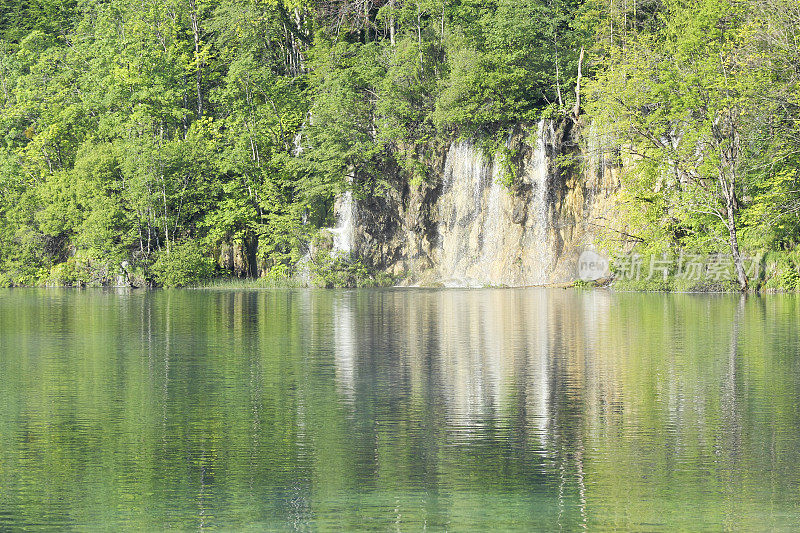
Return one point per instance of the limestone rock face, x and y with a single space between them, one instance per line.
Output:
476 224
235 258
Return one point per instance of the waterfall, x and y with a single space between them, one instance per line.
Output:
345 231
299 149
475 226
538 245
298 144
487 234
494 223
460 213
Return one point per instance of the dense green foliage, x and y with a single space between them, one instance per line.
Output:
181 264
704 99
129 126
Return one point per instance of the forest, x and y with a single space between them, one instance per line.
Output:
149 135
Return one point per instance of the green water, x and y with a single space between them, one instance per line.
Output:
398 410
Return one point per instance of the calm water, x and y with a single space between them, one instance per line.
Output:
398 409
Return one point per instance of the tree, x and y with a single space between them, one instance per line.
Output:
683 103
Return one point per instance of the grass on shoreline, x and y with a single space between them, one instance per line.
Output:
249 283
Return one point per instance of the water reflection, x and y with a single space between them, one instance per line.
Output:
503 409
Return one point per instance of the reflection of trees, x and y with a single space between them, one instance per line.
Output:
601 395
557 408
731 415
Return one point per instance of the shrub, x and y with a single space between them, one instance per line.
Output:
783 274
63 274
184 264
336 271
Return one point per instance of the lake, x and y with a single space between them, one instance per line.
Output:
398 409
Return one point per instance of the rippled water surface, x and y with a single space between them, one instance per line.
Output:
398 409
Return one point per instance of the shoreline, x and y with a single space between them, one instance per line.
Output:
256 284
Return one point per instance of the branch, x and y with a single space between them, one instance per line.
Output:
628 235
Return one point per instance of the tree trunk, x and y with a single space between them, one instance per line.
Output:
391 22
730 207
727 141
199 66
577 110
558 82
419 34
366 21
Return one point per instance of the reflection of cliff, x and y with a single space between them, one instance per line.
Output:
490 361
513 357
344 339
483 382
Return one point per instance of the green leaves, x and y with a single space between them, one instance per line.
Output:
131 126
522 60
184 263
694 108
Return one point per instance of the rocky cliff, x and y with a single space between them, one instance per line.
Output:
485 221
